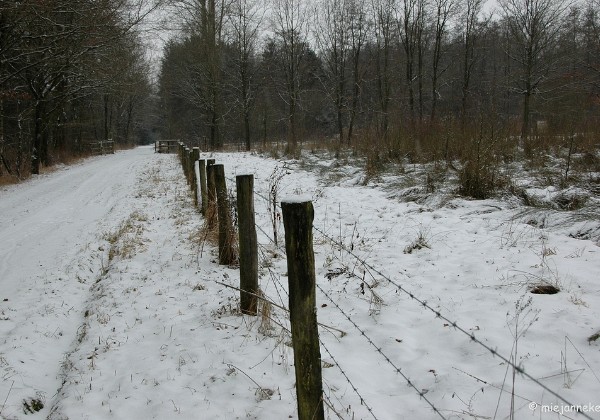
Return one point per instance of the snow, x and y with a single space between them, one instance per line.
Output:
296 199
113 306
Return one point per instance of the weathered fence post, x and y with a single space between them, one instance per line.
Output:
186 164
203 192
226 252
190 165
195 157
210 187
183 161
298 217
247 244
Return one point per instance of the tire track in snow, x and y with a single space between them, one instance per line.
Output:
51 253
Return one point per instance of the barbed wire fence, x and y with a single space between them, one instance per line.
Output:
438 314
409 382
519 368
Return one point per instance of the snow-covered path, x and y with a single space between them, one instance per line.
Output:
43 218
111 309
49 256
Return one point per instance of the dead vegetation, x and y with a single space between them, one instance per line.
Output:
127 240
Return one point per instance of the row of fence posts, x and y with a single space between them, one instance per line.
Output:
298 218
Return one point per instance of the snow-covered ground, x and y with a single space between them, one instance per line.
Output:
113 306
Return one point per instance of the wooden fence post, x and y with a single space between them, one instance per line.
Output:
203 192
184 162
189 166
247 244
297 221
211 210
226 232
210 181
195 157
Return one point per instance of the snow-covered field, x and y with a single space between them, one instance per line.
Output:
111 305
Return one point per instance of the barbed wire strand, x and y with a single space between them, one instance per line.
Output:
386 358
519 368
372 343
362 399
273 276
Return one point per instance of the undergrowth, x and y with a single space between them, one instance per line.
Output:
126 241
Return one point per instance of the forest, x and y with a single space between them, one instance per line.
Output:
465 82
71 72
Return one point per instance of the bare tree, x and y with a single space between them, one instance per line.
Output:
412 38
383 15
204 21
290 22
471 34
358 31
534 26
444 10
332 36
245 20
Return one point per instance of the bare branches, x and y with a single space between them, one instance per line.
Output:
290 23
534 25
58 53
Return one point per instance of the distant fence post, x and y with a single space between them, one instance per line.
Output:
182 157
211 192
190 166
194 159
186 164
203 192
297 221
226 252
247 244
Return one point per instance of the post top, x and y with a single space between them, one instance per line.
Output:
296 199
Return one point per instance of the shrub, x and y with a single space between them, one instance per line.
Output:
479 179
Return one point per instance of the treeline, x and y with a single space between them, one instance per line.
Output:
427 79
71 72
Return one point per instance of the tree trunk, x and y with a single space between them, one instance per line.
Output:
247 130
39 148
3 162
525 127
